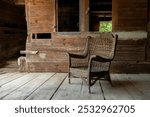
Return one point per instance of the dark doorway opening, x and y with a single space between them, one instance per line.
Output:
68 15
100 13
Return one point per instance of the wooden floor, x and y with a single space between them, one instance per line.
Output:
55 86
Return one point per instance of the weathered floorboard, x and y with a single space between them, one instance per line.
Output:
130 87
140 88
69 91
77 90
12 86
49 88
115 92
55 86
24 91
96 93
3 76
9 79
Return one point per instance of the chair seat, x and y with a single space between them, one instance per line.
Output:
79 72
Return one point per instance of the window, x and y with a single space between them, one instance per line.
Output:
101 15
68 15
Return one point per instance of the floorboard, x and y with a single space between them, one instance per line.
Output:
69 91
49 88
9 79
115 91
24 91
14 85
5 75
137 85
55 86
96 93
77 90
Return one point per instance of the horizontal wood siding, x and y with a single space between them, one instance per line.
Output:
52 53
130 50
129 15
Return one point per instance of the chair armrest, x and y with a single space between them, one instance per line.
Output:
100 58
76 55
103 59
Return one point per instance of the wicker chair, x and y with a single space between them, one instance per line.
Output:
94 63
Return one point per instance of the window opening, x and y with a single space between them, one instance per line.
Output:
68 15
101 15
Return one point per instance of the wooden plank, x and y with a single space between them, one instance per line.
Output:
26 90
3 76
84 15
96 92
12 86
48 89
137 85
115 92
28 52
53 66
69 91
77 90
143 85
11 78
42 22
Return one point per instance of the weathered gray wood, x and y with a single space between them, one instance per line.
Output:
45 86
24 91
10 78
12 86
115 92
129 86
137 85
28 52
69 91
49 88
2 76
96 92
77 90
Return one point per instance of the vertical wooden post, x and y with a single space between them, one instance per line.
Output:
84 15
114 14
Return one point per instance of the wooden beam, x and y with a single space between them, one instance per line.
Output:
84 15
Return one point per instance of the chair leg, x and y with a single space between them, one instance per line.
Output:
69 81
108 77
89 89
69 77
89 83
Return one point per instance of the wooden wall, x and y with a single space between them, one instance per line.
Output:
129 22
40 15
129 15
12 30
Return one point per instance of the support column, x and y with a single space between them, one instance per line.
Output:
84 15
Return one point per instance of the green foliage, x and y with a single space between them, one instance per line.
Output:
105 26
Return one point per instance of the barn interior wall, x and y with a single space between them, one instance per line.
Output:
12 30
129 22
129 15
